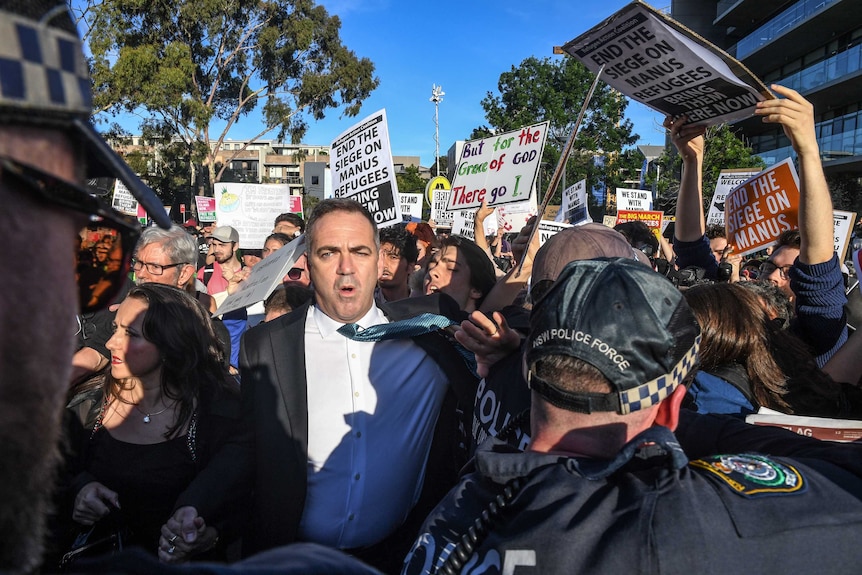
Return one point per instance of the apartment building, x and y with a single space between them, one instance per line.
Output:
812 46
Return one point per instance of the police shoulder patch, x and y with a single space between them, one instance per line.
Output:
751 475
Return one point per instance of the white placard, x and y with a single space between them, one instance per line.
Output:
362 169
498 170
124 201
843 227
251 209
548 228
265 276
574 208
442 217
464 224
659 62
634 200
727 180
513 217
411 207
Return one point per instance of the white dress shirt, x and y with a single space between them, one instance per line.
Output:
372 408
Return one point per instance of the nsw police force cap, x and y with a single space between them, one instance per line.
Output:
44 82
625 320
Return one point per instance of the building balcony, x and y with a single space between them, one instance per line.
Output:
743 14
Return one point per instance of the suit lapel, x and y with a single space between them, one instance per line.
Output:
288 351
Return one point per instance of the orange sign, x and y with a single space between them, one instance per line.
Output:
761 208
652 219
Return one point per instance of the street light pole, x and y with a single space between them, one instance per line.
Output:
437 94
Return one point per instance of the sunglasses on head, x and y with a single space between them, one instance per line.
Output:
98 282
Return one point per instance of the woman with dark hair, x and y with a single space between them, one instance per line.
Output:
737 370
462 270
747 360
154 437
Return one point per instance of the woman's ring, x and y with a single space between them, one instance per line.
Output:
171 550
172 539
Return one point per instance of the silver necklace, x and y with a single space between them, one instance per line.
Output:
147 416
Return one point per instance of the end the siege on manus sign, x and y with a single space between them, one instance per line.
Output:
498 170
659 62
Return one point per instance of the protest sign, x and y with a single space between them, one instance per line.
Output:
464 224
498 170
609 221
843 227
442 217
206 209
251 209
548 229
266 275
657 61
822 428
574 207
513 217
652 219
362 169
758 211
727 180
634 200
434 184
123 200
411 207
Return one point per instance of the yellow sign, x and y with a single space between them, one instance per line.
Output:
436 183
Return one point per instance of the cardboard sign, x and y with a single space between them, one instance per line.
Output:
513 217
843 227
657 61
251 209
442 217
574 208
206 209
548 229
498 170
727 180
123 200
609 221
652 219
822 428
634 200
265 276
464 224
362 169
411 207
763 207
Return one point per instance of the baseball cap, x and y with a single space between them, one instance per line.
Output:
585 242
45 83
225 234
625 320
191 223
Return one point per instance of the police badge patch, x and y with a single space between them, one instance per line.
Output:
753 475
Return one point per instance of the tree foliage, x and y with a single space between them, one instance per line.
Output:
194 68
723 150
410 181
554 90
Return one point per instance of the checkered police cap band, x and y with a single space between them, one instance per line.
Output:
42 69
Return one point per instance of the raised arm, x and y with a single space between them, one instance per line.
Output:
796 116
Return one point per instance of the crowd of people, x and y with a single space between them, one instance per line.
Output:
411 401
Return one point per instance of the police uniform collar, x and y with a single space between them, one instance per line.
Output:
501 462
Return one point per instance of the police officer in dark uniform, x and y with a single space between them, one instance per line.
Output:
605 486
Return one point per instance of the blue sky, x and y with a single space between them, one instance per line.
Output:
463 46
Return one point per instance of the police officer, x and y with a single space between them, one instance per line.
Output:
605 487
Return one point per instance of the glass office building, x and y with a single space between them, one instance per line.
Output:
812 46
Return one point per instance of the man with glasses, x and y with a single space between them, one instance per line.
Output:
47 149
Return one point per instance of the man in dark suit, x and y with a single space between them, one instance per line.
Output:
349 448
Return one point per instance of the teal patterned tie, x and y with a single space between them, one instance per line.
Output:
406 328
419 325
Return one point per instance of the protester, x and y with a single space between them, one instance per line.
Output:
291 225
604 484
462 271
329 413
398 255
47 150
812 268
284 299
155 436
221 278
